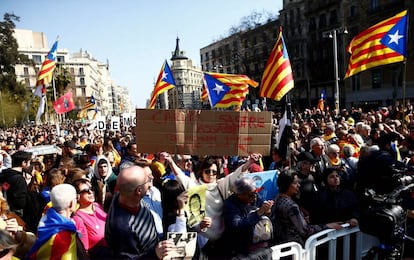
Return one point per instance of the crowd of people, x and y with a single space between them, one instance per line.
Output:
97 196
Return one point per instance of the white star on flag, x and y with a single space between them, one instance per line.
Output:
395 37
164 75
218 88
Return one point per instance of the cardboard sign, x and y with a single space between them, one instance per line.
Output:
203 132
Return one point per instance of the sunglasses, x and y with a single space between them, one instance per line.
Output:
252 195
86 190
187 160
209 171
4 252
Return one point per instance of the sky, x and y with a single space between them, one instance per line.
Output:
135 36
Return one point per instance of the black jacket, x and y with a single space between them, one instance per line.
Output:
14 189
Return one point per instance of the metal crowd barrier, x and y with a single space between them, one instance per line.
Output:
361 245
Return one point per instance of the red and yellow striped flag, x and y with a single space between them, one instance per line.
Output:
56 238
48 66
380 44
204 94
164 82
226 90
277 77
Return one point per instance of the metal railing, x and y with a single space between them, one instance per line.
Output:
361 245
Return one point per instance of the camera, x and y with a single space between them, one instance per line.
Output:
385 214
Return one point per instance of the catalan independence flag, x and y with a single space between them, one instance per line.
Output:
164 82
380 44
225 90
56 238
204 94
277 79
321 102
90 104
48 66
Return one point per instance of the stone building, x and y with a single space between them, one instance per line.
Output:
89 77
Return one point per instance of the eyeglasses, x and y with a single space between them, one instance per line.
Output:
210 172
187 160
149 179
86 190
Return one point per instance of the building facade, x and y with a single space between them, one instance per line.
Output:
188 83
245 52
308 27
88 76
314 22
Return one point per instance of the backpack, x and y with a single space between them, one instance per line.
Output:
263 230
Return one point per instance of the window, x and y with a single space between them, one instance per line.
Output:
26 71
356 82
397 76
37 59
312 24
353 11
81 72
376 78
82 81
374 5
322 21
60 59
333 19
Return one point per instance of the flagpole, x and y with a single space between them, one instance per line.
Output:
57 115
405 71
289 116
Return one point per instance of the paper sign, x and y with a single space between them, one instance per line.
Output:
196 204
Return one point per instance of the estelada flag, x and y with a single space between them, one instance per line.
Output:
164 82
277 79
225 90
380 44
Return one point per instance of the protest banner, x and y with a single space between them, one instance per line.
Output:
43 149
203 132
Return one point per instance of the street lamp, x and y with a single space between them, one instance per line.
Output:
333 35
217 68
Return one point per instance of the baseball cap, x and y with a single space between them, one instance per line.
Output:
307 156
